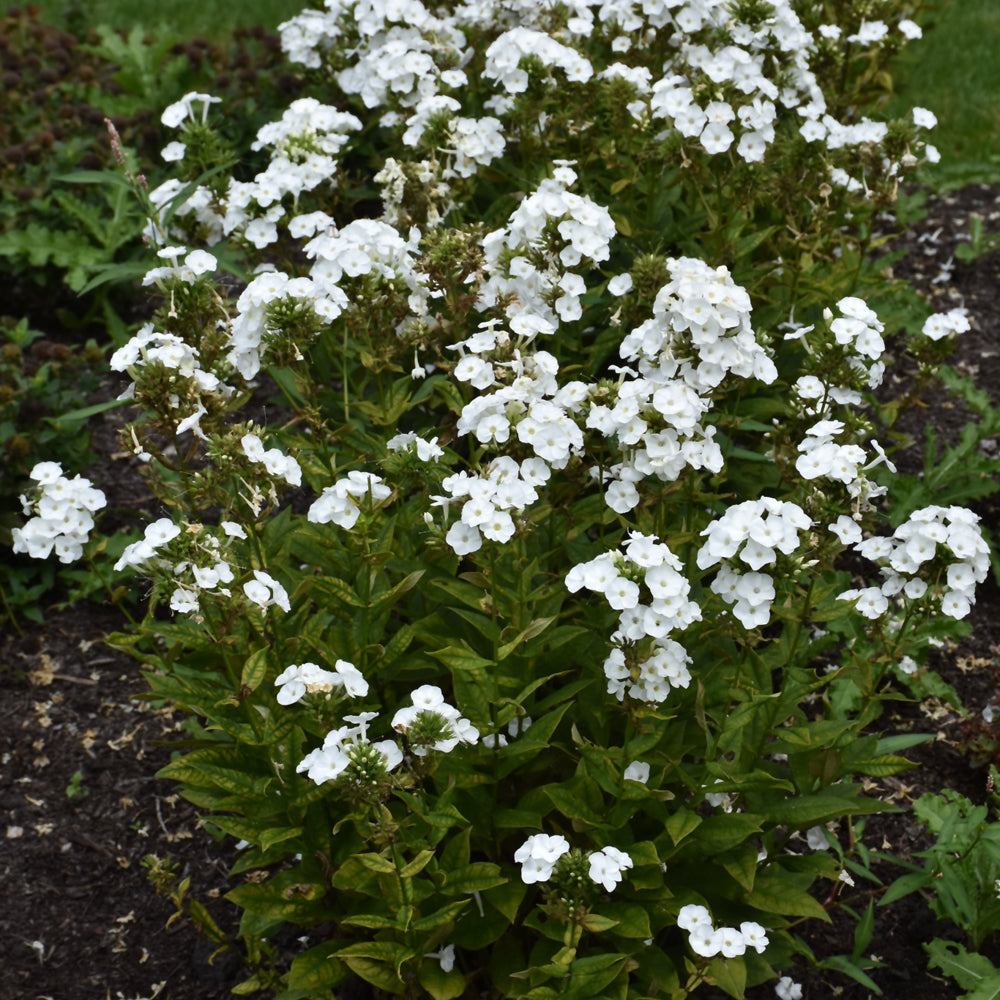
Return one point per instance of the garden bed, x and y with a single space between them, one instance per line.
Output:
82 809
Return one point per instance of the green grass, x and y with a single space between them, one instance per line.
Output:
183 18
954 70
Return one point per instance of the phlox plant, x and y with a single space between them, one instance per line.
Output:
515 631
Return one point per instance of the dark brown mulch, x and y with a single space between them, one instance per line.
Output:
79 919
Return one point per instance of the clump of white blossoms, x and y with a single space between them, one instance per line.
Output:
645 663
938 554
946 324
606 866
151 350
708 941
63 512
341 503
265 592
275 461
751 533
538 855
298 680
347 752
543 856
430 723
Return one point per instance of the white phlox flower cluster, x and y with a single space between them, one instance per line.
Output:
946 324
157 533
858 332
399 67
274 460
196 263
303 144
490 501
253 326
61 514
199 563
820 455
645 663
742 78
538 855
426 451
298 680
191 383
751 533
606 866
945 544
211 578
349 747
699 332
541 852
586 227
708 941
265 592
363 247
341 503
503 59
472 142
428 700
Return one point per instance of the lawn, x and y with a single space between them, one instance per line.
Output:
954 71
186 18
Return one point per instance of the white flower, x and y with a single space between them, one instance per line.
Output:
607 865
265 591
537 856
787 989
637 771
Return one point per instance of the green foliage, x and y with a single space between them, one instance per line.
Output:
60 90
45 389
960 870
417 648
979 243
972 971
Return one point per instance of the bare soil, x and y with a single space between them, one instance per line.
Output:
80 807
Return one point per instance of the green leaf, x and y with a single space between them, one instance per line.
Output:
417 865
440 984
786 893
968 969
841 963
272 835
312 972
729 974
904 885
682 824
256 667
534 629
819 807
722 831
864 931
444 917
630 920
475 877
337 589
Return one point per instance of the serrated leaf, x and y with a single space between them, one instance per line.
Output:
968 969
